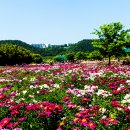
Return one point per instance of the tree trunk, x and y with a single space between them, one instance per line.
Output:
109 63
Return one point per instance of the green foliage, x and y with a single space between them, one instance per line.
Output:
95 55
70 57
37 58
112 39
81 55
23 44
83 46
54 50
13 54
60 58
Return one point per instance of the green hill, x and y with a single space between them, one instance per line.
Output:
22 44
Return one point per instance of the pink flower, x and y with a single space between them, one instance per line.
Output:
127 109
21 119
14 112
4 122
59 128
13 94
85 99
76 120
84 122
92 125
10 125
2 96
116 104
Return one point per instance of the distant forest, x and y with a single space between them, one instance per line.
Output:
53 50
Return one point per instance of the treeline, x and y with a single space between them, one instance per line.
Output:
12 54
84 46
22 44
18 52
53 50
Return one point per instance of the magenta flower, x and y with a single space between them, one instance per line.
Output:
21 119
4 122
92 125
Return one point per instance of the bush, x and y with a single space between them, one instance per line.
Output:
95 55
13 54
80 56
70 57
59 58
37 58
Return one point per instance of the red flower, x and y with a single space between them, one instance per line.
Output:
85 99
4 122
14 112
128 128
92 125
2 96
84 121
116 104
66 99
21 119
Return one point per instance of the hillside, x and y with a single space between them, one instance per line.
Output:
53 50
22 44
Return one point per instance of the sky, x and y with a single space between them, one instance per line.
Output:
59 21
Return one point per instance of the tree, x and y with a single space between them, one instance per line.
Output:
112 39
83 46
70 57
80 55
95 55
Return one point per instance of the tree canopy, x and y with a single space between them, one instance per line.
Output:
112 39
13 54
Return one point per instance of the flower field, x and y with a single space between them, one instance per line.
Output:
65 97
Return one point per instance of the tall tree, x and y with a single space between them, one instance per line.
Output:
112 39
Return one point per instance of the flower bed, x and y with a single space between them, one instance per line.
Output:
65 97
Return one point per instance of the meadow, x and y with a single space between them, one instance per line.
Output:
65 96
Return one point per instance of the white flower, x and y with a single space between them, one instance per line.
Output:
35 101
41 86
32 79
25 78
128 81
46 86
31 96
24 91
120 109
86 87
104 117
31 86
127 96
103 110
56 86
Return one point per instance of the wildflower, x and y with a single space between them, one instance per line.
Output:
2 96
84 122
66 99
85 99
24 91
75 120
21 119
92 125
128 128
116 104
4 122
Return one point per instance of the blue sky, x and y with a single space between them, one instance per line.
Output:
58 21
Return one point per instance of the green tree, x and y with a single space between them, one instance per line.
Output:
95 55
80 55
83 45
70 57
112 39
